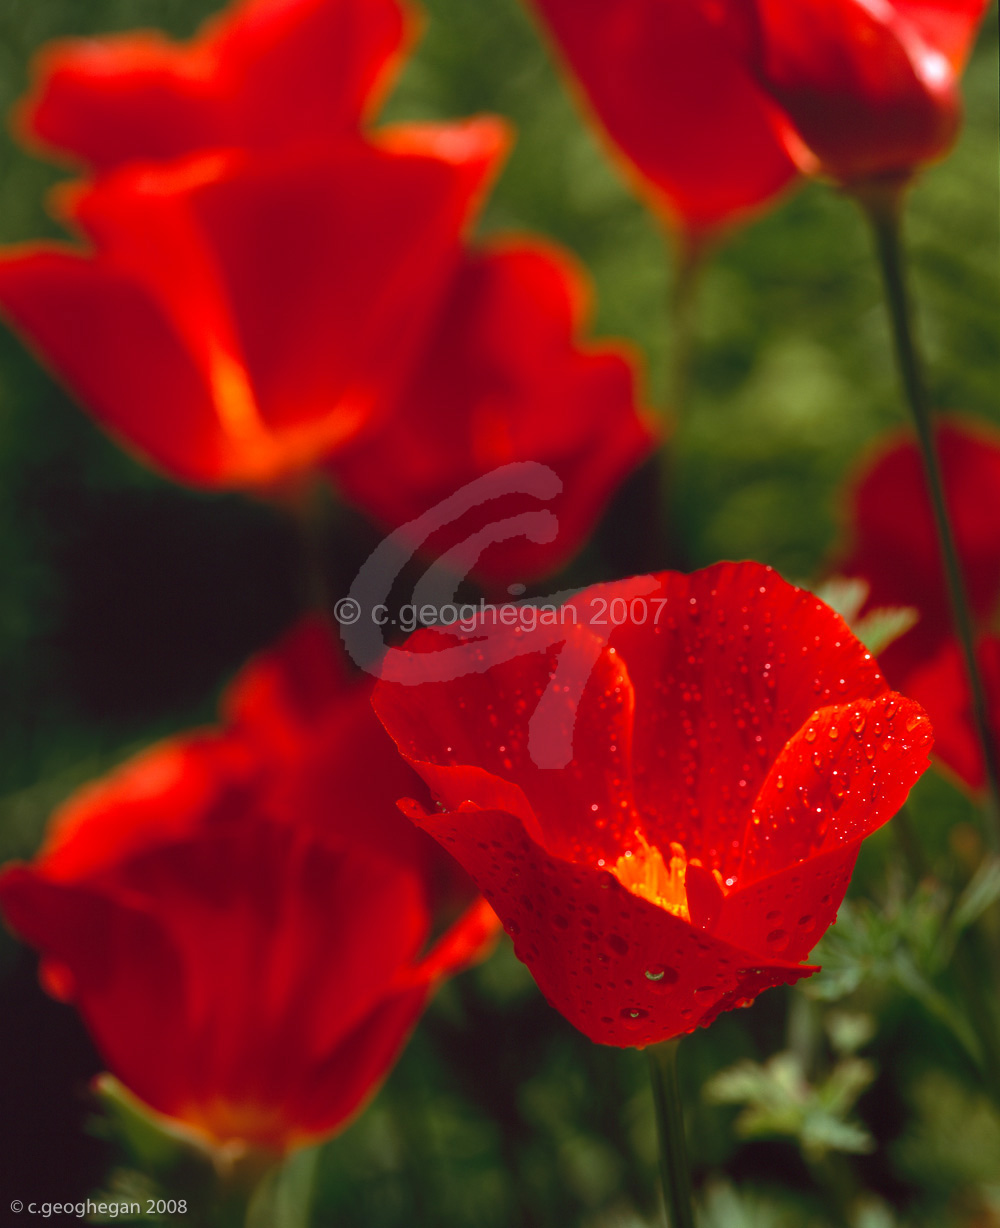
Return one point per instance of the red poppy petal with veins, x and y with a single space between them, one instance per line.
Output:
266 72
622 970
470 738
676 102
640 923
786 913
841 776
726 667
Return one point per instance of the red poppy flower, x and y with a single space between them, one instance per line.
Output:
863 88
504 378
732 747
244 920
676 102
266 73
895 551
243 315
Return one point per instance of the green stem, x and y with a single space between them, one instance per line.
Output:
674 1167
239 1180
883 205
687 270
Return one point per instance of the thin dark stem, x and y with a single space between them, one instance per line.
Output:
884 209
687 270
674 1167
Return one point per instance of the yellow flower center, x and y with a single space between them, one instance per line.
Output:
646 873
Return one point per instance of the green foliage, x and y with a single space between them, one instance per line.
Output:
499 1115
780 1101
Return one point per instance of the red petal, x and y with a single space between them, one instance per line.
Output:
788 912
950 26
267 72
862 89
103 336
727 666
622 970
274 312
504 379
163 794
471 737
266 948
844 774
342 1086
676 102
941 686
895 546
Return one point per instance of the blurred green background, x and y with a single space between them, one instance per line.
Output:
126 602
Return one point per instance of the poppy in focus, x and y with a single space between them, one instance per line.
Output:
895 550
693 127
244 314
244 920
733 746
504 379
264 73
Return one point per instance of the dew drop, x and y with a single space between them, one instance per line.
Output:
777 939
661 976
810 734
634 1015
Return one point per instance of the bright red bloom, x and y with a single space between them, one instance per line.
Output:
503 379
242 917
733 746
676 102
266 73
894 545
243 315
895 550
863 88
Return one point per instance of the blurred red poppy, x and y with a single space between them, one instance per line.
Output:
245 922
504 378
895 550
266 73
863 89
244 314
676 102
733 746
